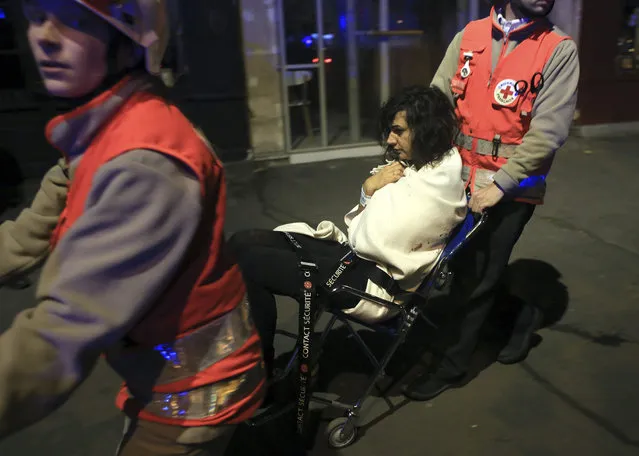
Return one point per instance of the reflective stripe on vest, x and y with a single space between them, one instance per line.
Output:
533 193
208 400
202 348
483 177
484 147
187 356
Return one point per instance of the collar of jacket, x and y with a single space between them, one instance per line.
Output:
72 132
529 29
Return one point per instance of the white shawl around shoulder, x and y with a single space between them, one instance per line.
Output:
403 228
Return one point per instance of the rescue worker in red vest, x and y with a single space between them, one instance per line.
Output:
138 269
513 79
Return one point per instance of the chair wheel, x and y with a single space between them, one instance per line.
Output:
341 433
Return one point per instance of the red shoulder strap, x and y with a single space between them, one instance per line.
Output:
478 31
550 42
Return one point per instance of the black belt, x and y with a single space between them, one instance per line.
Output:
375 275
383 280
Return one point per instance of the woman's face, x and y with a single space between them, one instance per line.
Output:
400 137
69 44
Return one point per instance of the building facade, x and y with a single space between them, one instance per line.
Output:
318 70
303 80
609 53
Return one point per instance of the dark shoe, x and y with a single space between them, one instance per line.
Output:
428 386
529 320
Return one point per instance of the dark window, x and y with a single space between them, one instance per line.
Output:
11 72
11 75
628 41
7 31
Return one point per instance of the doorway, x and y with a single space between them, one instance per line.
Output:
339 60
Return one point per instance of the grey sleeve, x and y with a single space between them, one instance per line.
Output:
552 117
25 242
448 67
141 216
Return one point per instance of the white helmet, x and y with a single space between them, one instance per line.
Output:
144 21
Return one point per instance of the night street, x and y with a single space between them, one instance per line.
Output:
576 394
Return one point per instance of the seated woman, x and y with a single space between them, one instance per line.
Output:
407 209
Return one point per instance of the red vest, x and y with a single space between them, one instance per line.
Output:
494 117
201 324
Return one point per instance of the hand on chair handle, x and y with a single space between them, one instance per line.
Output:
485 198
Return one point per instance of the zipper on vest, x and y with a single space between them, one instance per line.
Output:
501 56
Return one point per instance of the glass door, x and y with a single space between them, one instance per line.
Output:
341 59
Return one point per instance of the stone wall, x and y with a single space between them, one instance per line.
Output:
259 20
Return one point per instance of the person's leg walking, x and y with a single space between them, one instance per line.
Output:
479 271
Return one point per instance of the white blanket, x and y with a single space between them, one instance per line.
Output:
403 228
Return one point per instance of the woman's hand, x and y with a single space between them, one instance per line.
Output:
387 175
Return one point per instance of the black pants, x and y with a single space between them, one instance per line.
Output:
270 267
479 269
146 438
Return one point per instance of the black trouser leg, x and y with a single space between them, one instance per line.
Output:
479 269
270 267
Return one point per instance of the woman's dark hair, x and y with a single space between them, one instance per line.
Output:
431 119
